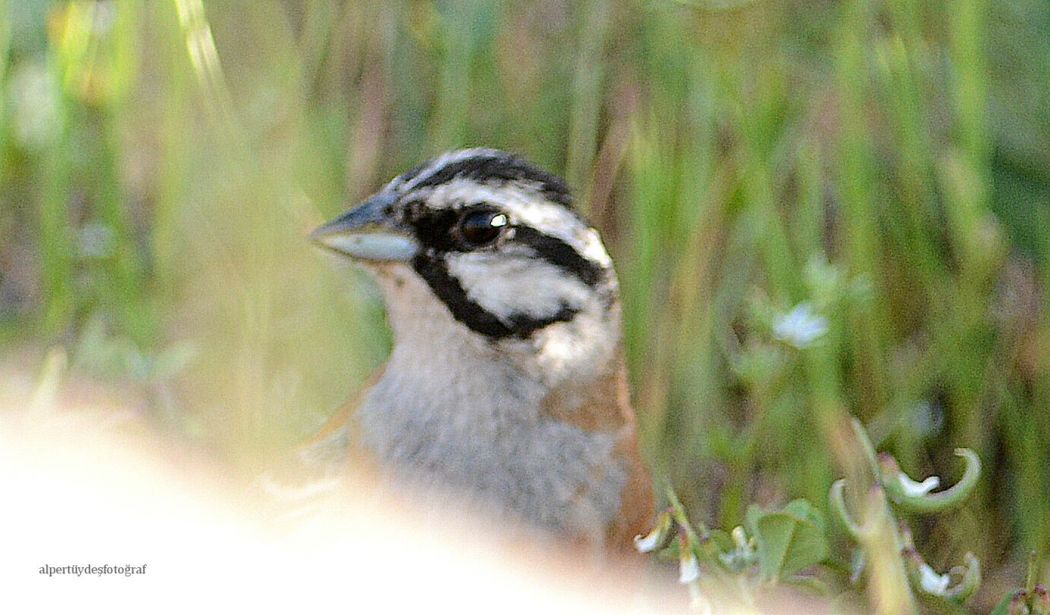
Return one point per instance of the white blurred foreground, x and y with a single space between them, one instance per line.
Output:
87 483
91 486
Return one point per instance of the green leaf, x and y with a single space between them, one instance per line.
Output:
789 540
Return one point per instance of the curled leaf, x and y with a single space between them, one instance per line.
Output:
860 532
933 583
658 537
968 585
865 445
913 496
913 489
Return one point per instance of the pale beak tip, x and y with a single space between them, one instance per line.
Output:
372 246
367 232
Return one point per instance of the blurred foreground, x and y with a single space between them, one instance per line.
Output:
86 483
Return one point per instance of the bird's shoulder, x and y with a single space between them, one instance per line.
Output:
607 408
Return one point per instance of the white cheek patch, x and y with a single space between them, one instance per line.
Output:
568 352
506 287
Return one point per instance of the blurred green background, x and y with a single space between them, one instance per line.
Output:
817 207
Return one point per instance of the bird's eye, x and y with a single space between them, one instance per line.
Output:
480 228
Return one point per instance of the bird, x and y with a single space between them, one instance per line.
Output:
506 384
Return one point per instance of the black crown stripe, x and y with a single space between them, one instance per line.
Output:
500 167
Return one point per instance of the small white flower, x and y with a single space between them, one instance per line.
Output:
688 568
800 327
914 489
931 582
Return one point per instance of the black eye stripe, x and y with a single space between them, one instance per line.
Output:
561 255
434 271
441 230
435 230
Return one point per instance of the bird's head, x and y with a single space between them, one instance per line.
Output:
491 243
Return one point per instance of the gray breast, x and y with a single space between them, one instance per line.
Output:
506 458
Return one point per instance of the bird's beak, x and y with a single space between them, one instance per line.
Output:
369 232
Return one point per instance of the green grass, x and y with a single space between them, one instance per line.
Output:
886 162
